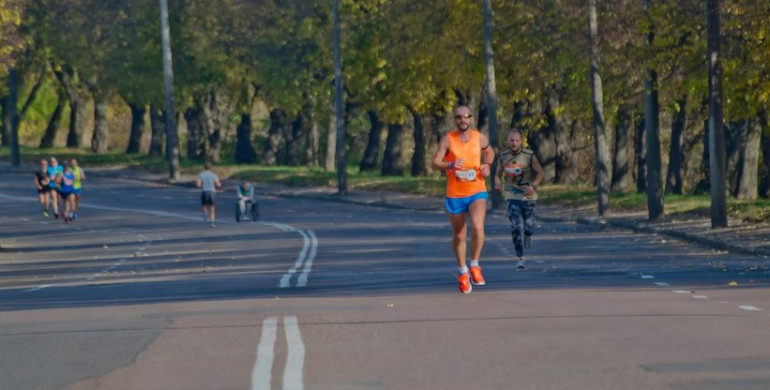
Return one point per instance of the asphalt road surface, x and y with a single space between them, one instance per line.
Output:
140 293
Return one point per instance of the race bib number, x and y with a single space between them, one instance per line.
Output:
469 175
513 169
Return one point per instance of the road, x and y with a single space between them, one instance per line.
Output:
140 293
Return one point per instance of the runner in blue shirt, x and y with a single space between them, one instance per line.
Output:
54 169
67 183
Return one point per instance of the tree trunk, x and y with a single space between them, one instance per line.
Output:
342 175
77 102
622 174
10 108
101 140
565 163
655 206
392 164
196 134
158 127
491 96
419 158
640 151
735 137
244 151
274 142
675 173
331 142
764 170
216 108
293 137
312 154
5 122
371 158
602 161
748 166
716 119
137 128
49 137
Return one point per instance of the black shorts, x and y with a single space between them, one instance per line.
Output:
45 190
208 198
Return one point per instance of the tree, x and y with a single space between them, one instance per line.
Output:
11 44
602 159
716 122
491 95
172 147
342 178
652 123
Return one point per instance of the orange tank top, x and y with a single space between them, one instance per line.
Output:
462 183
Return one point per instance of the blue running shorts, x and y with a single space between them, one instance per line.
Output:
460 205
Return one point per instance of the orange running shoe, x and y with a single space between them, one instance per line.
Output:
465 283
476 276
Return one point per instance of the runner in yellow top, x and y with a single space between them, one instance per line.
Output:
465 155
80 177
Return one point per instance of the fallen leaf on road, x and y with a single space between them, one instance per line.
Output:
733 283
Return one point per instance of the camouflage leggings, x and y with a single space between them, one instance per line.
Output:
521 213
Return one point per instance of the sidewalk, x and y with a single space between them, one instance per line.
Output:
740 237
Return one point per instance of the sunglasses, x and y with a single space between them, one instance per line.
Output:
466 116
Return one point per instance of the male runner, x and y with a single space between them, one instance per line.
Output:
208 182
518 175
465 155
41 183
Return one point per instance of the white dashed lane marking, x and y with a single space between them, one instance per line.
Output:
695 296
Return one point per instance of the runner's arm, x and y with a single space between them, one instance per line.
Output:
438 162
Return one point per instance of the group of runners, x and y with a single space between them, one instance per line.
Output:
59 188
466 156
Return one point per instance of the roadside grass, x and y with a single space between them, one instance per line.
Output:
432 185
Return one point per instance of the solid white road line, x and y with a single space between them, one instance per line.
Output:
302 280
295 360
286 278
260 376
750 308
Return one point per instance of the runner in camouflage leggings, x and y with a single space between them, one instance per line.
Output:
518 175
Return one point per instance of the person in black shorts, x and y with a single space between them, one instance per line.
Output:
208 182
42 184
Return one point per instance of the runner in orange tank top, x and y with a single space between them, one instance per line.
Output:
465 155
